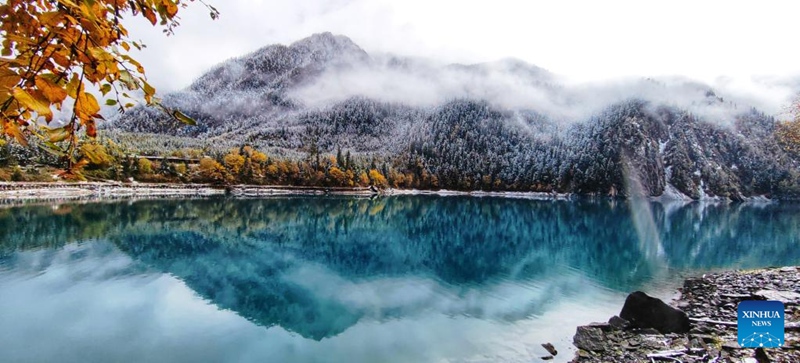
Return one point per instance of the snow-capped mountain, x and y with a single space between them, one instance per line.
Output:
505 124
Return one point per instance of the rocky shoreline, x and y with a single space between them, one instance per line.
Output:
709 332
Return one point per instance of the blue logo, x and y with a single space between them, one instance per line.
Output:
760 324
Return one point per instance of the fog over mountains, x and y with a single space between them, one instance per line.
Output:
501 125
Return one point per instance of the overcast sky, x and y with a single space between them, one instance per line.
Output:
583 39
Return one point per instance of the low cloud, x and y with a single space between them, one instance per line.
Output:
516 85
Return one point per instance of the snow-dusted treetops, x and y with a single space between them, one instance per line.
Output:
502 125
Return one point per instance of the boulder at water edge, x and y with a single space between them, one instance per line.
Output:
643 311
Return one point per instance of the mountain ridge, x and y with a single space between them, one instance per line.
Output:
504 125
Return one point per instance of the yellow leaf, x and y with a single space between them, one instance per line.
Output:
180 116
87 105
8 79
11 128
128 80
101 54
20 39
57 135
52 149
51 91
170 7
148 89
10 61
61 59
55 79
71 19
30 102
72 86
132 61
86 10
51 18
150 15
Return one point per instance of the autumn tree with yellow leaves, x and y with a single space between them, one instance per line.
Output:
788 132
55 51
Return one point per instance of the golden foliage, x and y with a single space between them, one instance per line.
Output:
788 132
181 169
211 171
338 177
144 166
234 162
363 179
378 179
52 51
788 135
97 154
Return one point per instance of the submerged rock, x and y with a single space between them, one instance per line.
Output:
550 348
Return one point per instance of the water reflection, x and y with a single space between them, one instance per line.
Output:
323 267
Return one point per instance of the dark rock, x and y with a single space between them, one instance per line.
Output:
589 338
618 323
550 348
644 311
761 356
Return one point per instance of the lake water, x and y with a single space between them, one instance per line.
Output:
395 279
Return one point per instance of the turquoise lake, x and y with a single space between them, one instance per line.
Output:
341 279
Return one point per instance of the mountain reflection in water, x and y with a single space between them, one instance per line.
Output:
320 266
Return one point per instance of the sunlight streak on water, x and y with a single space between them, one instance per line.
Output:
646 230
